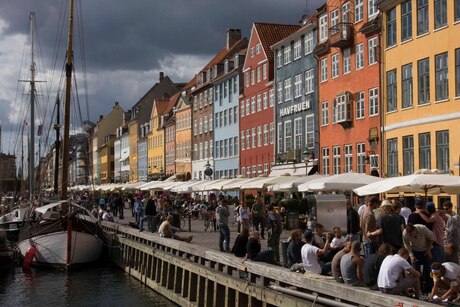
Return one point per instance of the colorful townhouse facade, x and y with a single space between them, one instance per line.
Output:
421 82
183 138
121 155
139 125
204 96
228 88
349 87
296 102
170 145
257 127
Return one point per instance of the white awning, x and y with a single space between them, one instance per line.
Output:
261 183
292 185
133 186
124 157
185 187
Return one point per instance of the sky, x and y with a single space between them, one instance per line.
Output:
127 44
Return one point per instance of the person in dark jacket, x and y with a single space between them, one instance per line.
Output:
352 223
372 265
294 257
150 213
254 253
241 242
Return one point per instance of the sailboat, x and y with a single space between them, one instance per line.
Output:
62 233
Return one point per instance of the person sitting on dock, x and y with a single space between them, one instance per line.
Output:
294 251
351 265
446 276
310 255
393 277
254 253
241 242
168 231
335 265
372 265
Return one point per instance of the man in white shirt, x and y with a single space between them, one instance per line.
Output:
397 276
310 255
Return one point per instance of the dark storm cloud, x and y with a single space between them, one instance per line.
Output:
135 35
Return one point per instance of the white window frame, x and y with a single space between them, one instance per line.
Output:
324 113
348 152
310 131
253 137
279 59
297 85
324 67
334 21
264 71
309 81
346 58
265 100
360 105
272 133
271 97
280 138
335 66
359 56
360 156
279 91
372 50
372 9
325 159
323 28
308 42
287 89
297 49
374 101
288 130
287 54
259 136
265 134
336 167
298 133
259 102
359 10
253 105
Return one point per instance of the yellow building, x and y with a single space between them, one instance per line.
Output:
421 87
102 140
156 137
183 139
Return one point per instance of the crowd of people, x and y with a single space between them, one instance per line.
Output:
388 246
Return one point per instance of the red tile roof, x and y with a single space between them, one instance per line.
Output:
269 34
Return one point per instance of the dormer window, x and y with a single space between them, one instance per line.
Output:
236 60
226 66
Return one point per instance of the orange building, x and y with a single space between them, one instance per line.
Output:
348 73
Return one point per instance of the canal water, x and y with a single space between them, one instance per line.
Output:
102 285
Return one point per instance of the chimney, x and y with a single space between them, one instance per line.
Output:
101 117
162 75
233 35
116 104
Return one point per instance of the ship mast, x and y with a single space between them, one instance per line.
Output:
68 73
32 116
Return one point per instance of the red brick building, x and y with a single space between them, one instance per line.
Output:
349 94
257 129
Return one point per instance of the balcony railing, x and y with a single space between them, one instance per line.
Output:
341 35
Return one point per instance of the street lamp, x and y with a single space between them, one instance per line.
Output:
208 170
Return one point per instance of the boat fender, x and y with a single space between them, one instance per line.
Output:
29 257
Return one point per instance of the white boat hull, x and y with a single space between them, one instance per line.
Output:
52 248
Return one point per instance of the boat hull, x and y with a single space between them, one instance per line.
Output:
52 248
12 230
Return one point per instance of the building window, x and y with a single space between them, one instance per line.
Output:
258 74
259 136
392 167
323 30
406 86
271 97
336 160
297 49
253 81
230 147
334 21
310 131
287 89
242 140
248 139
391 27
408 154
235 146
242 108
272 133
279 59
279 92
308 43
266 134
348 151
424 145
406 20
298 133
253 139
423 81
360 157
324 113
287 135
287 55
264 71
309 81
297 86
440 13
359 12
422 17
325 160
442 83
346 60
253 105
341 108
391 90
372 55
346 12
456 10
265 100
266 169
259 103
324 70
457 71
360 105
372 8
280 138
442 151
335 65
359 56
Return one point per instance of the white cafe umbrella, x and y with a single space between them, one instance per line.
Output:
185 187
261 183
339 182
422 182
133 186
293 184
235 184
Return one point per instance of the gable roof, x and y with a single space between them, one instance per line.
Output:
270 33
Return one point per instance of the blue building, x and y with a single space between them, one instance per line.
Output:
296 102
228 87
